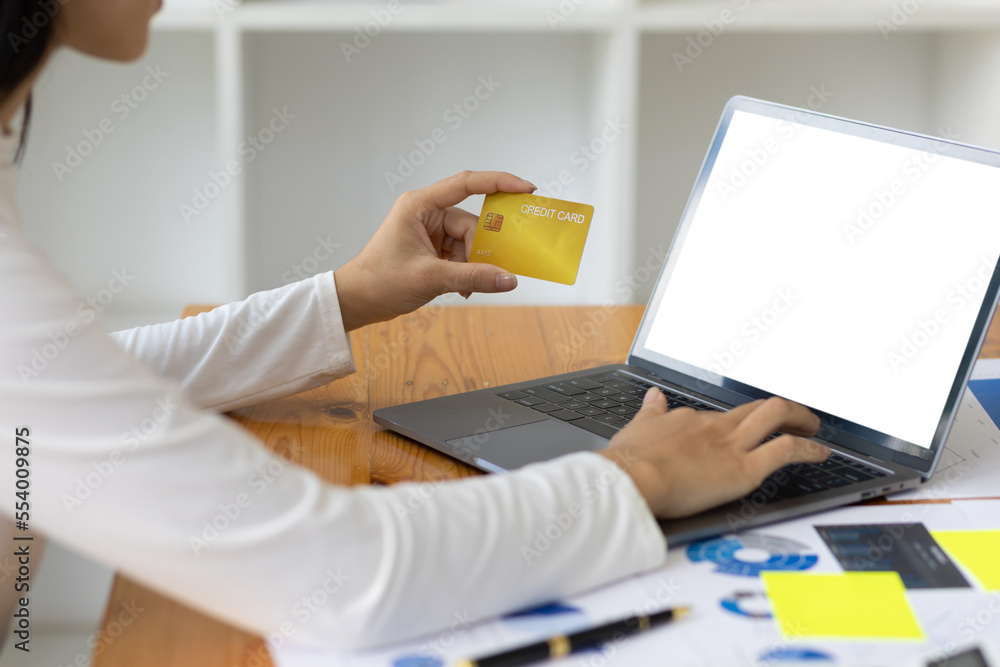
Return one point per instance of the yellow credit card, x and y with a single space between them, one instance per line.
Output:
532 236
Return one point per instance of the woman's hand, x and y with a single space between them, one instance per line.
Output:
685 461
421 251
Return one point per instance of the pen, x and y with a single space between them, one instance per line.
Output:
562 645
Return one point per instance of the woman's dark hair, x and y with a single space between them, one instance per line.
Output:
25 31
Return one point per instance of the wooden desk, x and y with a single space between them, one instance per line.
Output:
434 352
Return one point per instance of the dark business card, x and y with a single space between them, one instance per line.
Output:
906 548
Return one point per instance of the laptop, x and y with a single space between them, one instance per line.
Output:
845 266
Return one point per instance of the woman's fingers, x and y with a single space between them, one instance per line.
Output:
758 420
785 450
460 226
458 188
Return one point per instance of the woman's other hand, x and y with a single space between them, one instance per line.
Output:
421 251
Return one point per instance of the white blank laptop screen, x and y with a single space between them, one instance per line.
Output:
840 272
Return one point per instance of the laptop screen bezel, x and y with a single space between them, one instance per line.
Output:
834 429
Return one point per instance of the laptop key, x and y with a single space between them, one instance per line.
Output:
573 405
563 388
605 403
545 394
783 492
546 407
610 418
855 475
622 410
584 383
621 398
600 428
616 384
511 395
529 401
566 415
604 391
591 412
836 482
587 398
807 485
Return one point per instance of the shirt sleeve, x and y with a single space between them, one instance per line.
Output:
125 468
238 355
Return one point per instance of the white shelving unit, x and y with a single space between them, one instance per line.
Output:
650 76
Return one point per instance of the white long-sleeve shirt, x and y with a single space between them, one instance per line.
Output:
130 464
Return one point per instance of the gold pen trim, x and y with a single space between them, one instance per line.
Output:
643 623
559 647
681 612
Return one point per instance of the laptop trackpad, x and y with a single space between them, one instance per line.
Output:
518 446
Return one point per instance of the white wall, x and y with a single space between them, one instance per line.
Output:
119 207
325 174
870 79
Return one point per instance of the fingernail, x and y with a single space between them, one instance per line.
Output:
533 186
506 282
650 395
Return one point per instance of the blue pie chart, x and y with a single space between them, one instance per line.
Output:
725 553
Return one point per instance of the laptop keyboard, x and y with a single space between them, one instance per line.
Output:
606 402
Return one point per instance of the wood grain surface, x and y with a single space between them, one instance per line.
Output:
436 351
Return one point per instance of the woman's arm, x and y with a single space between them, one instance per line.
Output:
271 345
125 469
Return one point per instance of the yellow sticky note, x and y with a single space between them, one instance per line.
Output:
977 550
844 606
532 236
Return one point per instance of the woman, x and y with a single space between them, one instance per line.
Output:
193 506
